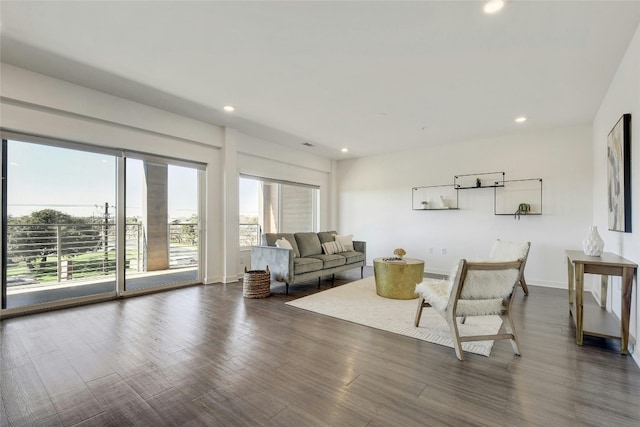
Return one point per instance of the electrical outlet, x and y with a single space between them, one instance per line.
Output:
444 251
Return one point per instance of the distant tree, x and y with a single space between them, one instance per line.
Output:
33 237
190 230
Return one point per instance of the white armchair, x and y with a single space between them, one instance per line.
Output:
478 289
504 250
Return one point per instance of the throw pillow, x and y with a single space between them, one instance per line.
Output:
331 248
284 243
346 240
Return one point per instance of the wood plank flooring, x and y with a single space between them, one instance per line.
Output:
206 356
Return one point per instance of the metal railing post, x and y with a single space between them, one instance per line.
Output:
139 249
59 252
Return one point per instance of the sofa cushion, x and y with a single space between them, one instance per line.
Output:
330 261
331 248
346 240
306 265
269 239
284 243
308 244
326 236
352 256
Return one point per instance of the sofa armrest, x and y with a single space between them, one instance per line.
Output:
279 260
361 246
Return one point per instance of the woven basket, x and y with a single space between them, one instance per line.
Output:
256 283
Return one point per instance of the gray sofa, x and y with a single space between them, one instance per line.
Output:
306 260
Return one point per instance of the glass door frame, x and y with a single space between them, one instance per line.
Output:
201 177
120 245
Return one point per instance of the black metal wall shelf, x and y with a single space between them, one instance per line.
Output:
430 198
478 180
519 197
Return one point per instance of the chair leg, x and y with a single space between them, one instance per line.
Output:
419 312
523 283
455 335
510 328
464 319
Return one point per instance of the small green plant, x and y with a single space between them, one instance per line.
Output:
523 209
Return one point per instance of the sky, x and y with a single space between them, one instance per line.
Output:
80 183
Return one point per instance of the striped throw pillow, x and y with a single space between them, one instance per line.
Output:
331 248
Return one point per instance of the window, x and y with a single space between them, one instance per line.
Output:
269 206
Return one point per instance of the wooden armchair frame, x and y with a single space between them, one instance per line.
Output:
456 306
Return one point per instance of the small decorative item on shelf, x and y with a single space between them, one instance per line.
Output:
478 183
593 245
443 202
400 253
523 209
425 204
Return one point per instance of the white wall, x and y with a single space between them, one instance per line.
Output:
375 200
623 96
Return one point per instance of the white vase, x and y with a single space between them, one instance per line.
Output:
593 243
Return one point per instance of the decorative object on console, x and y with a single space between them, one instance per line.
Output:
619 175
443 202
478 182
593 245
425 204
400 253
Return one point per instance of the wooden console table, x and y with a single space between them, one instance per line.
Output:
591 319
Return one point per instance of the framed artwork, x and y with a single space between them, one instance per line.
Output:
619 175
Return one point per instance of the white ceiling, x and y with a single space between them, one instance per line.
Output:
370 76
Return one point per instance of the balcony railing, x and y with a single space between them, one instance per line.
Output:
249 235
60 252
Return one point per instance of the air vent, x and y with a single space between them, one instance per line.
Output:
307 144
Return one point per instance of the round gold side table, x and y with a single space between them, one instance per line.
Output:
398 279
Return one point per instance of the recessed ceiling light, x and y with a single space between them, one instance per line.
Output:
229 108
344 150
493 6
521 119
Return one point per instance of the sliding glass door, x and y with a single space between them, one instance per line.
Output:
163 224
59 226
81 223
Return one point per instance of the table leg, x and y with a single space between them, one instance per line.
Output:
579 276
570 281
604 285
627 284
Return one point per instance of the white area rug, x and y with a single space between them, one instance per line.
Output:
358 302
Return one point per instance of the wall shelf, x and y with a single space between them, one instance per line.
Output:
432 196
507 199
478 180
517 198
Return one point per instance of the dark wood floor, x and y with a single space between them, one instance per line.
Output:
204 355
